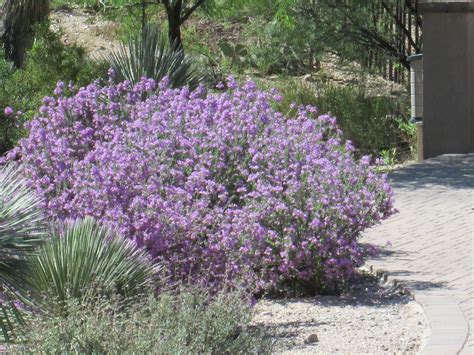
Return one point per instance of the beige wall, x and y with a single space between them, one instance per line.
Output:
448 59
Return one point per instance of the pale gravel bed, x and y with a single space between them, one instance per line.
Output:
367 319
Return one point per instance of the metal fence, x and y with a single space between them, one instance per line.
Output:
403 24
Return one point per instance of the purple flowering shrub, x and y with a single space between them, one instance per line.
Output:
216 187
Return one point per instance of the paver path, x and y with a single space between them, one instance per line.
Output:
432 250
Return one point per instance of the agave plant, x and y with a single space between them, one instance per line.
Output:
149 55
16 28
22 231
87 259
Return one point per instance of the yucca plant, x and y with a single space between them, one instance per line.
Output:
16 28
85 258
22 231
149 55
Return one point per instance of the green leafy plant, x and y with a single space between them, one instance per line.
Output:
276 48
82 256
373 124
149 55
22 231
389 156
184 322
408 131
234 54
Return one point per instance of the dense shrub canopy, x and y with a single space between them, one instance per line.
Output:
214 186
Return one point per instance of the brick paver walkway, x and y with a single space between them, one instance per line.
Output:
432 250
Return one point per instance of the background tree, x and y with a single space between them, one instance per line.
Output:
178 11
16 28
390 27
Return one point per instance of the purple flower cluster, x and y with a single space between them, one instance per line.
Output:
214 186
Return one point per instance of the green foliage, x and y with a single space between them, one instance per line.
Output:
389 156
11 320
408 131
373 124
295 31
47 62
97 5
235 55
83 255
238 9
149 55
356 28
277 48
22 226
22 231
172 323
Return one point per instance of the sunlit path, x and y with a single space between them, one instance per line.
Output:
432 250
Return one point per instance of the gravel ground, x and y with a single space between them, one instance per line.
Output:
97 36
367 319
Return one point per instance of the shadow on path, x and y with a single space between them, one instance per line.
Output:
453 171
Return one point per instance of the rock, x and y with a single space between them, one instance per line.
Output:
311 339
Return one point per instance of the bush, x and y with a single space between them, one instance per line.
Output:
183 323
216 187
276 48
373 124
47 62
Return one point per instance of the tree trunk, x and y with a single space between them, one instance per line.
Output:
21 43
174 23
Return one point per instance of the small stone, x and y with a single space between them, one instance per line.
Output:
311 339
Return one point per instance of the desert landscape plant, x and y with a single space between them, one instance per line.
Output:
215 186
184 322
85 258
48 61
22 231
149 55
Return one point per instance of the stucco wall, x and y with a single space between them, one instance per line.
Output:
448 59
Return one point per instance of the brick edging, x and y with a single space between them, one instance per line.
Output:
449 327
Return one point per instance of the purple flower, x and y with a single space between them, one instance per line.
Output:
8 111
218 187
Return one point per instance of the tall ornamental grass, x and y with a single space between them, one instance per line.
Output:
217 187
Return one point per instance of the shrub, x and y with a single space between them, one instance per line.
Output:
47 62
83 255
279 48
183 323
217 186
372 124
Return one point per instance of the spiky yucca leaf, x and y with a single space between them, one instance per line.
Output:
86 258
148 55
22 231
11 319
22 227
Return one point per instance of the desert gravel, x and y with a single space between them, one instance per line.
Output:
367 319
